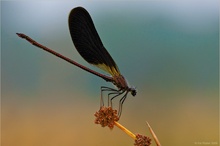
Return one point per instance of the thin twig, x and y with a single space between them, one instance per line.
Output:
153 134
125 130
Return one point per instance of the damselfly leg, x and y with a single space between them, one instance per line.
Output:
112 95
103 88
121 103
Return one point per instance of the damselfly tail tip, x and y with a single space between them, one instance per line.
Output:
20 35
106 116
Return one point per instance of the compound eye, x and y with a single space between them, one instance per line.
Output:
133 92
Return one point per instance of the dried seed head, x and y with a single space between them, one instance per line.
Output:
142 140
106 116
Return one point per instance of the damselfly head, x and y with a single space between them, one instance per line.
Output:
133 91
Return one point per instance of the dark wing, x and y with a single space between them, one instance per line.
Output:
88 42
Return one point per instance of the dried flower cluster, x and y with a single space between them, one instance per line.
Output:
142 140
106 116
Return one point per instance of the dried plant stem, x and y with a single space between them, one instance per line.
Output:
125 130
154 135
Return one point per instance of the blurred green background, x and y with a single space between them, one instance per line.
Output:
168 49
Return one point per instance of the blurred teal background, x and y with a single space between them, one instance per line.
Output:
169 50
